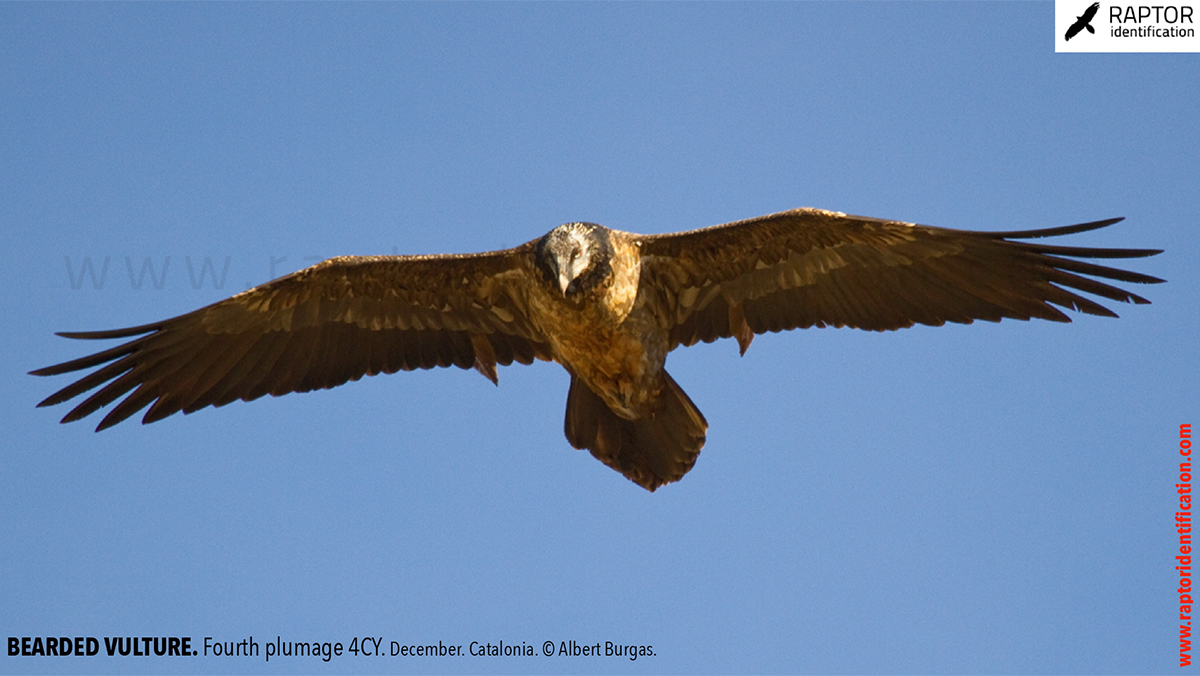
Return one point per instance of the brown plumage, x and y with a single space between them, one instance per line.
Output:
607 305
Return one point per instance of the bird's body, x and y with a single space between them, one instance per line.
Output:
593 328
607 305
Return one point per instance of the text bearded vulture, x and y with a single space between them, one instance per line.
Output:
607 305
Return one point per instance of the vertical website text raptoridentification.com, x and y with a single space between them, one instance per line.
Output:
1183 525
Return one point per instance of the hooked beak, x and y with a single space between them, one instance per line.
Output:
570 272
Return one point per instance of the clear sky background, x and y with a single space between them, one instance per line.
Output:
993 498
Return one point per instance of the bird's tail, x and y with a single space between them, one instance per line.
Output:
650 451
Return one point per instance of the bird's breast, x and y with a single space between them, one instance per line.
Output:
618 355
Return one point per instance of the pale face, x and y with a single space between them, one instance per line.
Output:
569 251
575 259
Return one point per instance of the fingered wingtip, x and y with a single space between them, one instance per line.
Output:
1055 232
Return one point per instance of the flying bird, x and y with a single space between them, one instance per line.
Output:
1084 21
605 304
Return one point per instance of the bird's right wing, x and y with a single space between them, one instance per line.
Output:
316 328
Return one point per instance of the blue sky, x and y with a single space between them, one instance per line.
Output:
993 498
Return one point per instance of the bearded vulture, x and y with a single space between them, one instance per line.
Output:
606 305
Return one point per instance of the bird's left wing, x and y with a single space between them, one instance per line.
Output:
809 267
316 328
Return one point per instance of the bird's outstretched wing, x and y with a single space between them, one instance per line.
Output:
809 267
316 328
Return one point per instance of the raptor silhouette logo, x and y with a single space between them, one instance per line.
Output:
1084 21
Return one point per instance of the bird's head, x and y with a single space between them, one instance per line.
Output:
575 258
